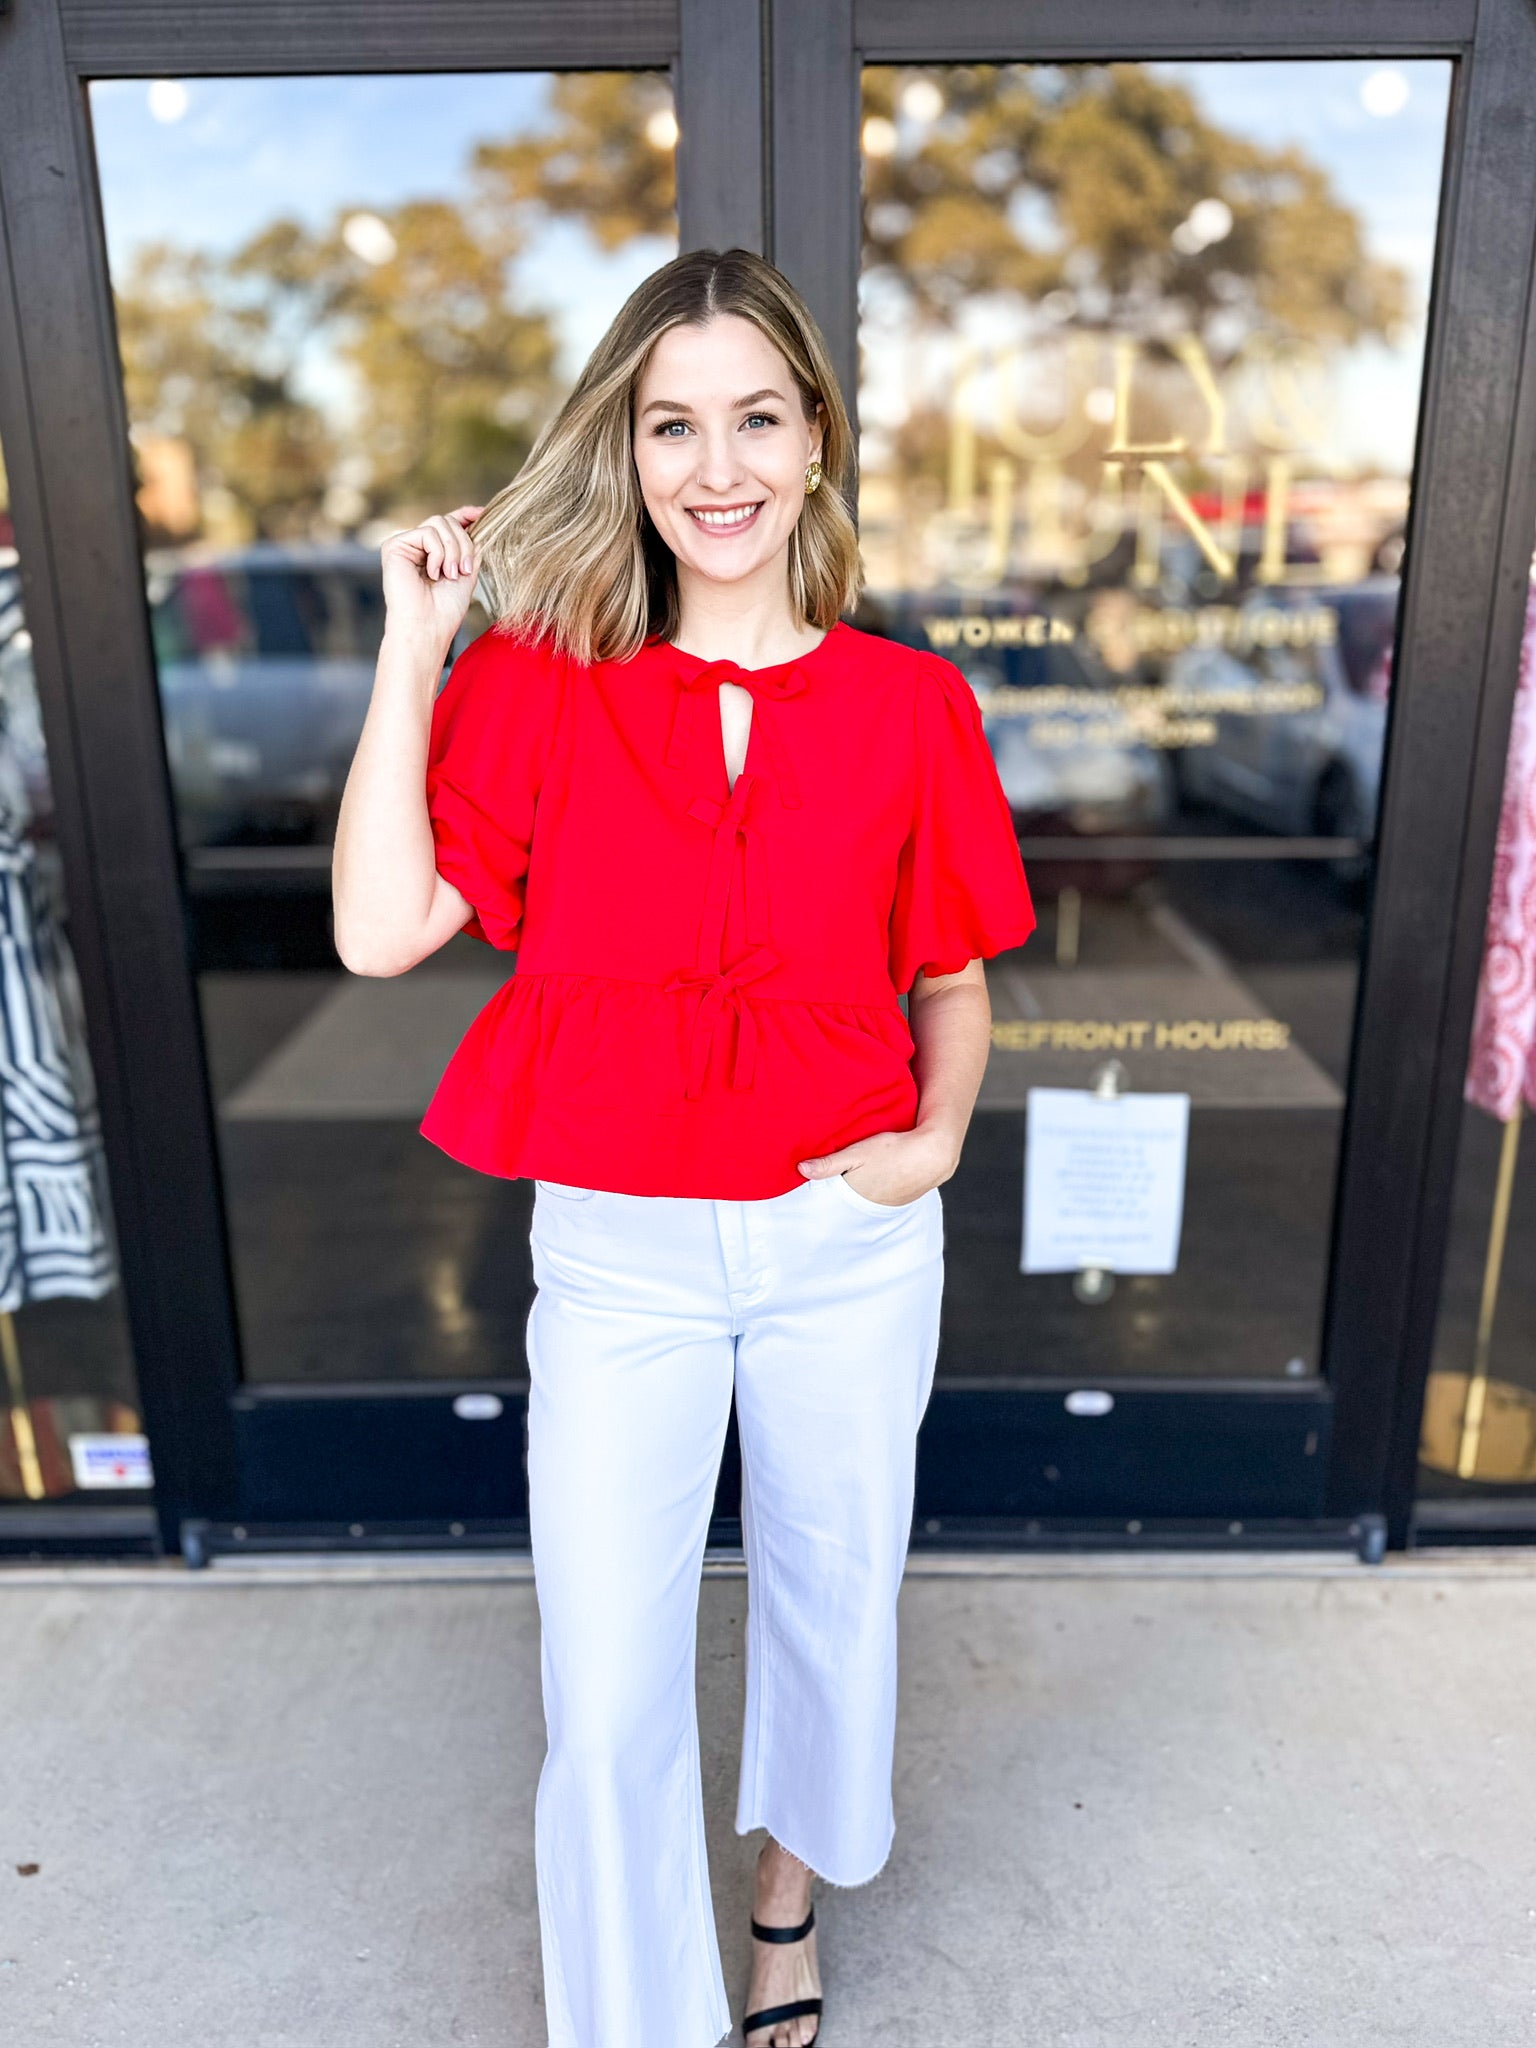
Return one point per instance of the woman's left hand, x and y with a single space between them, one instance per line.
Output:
890 1167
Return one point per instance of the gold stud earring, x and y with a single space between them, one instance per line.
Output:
812 478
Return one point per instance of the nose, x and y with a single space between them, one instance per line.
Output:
720 466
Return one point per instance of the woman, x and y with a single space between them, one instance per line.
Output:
724 831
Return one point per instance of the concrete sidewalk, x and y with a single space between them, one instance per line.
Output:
1284 1802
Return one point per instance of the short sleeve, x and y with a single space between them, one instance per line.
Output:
961 892
491 735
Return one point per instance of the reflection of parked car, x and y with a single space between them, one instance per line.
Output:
1072 772
266 659
1309 770
1069 763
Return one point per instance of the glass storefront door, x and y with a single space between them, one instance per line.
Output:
343 303
1141 348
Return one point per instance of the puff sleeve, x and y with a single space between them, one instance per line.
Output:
961 892
490 740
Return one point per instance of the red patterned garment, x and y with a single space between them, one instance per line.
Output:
707 976
1503 1063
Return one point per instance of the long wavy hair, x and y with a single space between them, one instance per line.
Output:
567 549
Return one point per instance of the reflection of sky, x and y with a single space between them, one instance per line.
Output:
1387 169
250 150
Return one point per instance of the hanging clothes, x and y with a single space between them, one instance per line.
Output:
1502 1067
55 1210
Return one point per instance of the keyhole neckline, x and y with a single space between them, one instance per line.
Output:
747 748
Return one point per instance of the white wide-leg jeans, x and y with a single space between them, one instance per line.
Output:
821 1309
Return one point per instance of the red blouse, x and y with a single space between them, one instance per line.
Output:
707 977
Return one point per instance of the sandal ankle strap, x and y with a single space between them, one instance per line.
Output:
784 1933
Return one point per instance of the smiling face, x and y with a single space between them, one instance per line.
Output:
721 443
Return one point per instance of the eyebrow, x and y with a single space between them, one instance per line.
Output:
679 405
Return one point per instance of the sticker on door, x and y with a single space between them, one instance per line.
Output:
102 1461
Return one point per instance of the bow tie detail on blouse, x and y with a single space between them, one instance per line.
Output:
698 700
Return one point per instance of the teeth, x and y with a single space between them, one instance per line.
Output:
736 518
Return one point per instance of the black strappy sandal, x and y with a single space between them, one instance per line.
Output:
797 2008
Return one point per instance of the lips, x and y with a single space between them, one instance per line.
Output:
723 519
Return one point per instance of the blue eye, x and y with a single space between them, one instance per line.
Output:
663 428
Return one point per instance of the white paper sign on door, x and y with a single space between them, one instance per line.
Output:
1103 1181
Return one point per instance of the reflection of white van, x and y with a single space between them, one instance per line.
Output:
1314 771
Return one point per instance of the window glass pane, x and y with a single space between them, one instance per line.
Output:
343 304
1141 353
1479 1431
69 1418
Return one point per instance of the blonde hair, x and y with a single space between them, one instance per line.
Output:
568 550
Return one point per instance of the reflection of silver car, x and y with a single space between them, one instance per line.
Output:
266 658
1312 769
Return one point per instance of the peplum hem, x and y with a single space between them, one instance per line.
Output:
582 1078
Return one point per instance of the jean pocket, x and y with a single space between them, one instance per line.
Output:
868 1208
564 1191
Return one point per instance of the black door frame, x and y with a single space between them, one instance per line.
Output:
1290 1463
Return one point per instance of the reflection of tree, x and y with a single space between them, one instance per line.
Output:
451 375
1161 301
202 363
1074 188
448 372
600 163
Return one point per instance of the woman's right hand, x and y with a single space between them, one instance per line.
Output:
391 906
429 574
